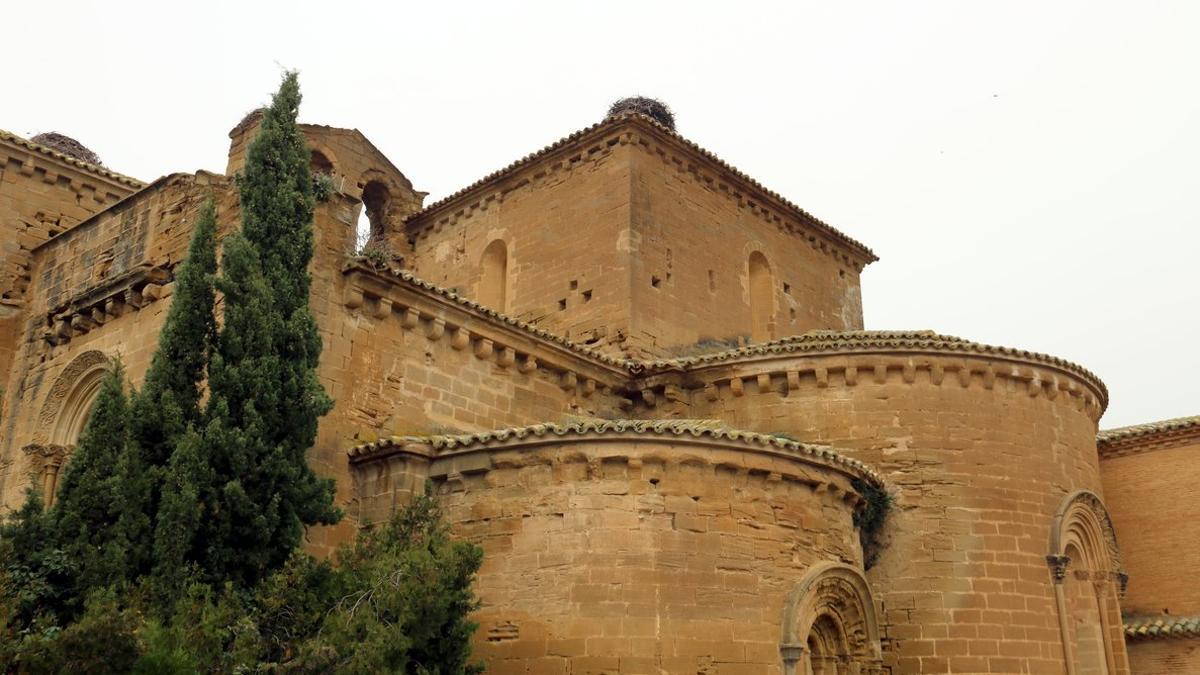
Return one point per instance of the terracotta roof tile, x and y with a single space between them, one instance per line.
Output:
1161 626
832 341
67 159
617 120
1148 429
679 428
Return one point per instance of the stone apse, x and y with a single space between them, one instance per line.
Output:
640 381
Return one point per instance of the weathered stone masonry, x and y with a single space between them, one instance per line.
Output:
639 380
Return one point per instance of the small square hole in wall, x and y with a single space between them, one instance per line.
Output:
655 281
562 304
787 288
841 273
574 284
587 295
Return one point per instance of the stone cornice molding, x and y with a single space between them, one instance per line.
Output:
54 164
440 314
781 365
693 433
1139 438
596 141
860 356
108 300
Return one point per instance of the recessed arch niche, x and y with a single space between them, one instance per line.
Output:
829 624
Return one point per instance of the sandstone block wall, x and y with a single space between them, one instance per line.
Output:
101 287
1164 656
1154 498
42 194
638 553
629 238
693 232
1150 476
981 451
565 225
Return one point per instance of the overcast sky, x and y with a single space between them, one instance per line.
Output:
1028 172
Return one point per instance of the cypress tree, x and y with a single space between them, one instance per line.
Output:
265 399
169 401
90 500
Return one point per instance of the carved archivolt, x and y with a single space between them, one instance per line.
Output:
1084 543
829 623
1082 521
69 400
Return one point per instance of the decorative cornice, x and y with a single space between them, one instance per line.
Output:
1141 438
9 137
896 349
95 306
485 186
355 299
1161 626
633 430
869 353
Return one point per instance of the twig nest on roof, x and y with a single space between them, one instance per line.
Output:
67 146
653 108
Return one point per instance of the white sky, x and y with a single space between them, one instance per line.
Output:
1026 171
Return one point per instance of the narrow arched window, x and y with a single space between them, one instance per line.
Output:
493 278
372 220
762 298
319 163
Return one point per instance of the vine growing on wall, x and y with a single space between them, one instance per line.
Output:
870 518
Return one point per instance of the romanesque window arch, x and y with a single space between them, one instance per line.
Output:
319 162
1088 581
63 416
493 277
829 624
762 298
372 220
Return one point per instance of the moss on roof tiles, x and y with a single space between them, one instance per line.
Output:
675 428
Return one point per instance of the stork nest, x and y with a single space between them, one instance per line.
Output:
653 108
67 146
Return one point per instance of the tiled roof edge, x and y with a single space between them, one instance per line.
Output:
67 159
675 428
1161 626
616 120
408 278
832 341
1148 430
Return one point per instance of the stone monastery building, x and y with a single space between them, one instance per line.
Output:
640 381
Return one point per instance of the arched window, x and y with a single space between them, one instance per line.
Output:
319 163
372 220
493 277
762 298
829 624
1088 582
63 416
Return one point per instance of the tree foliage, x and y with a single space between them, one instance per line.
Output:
265 399
174 544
